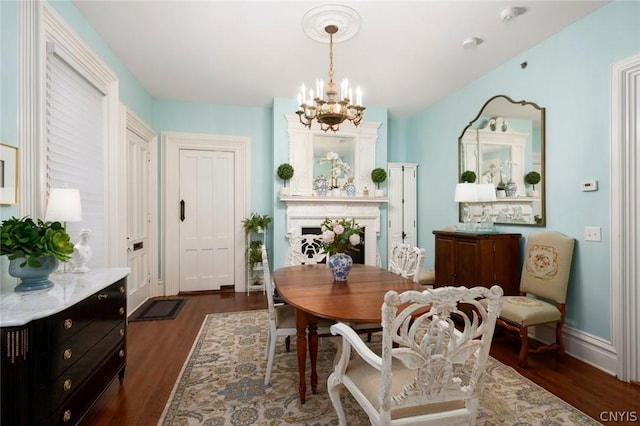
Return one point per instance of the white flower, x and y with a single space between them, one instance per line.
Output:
328 236
354 239
332 156
338 229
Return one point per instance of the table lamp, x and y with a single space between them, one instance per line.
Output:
63 206
466 193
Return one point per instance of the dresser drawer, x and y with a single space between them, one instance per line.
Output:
76 405
56 391
107 304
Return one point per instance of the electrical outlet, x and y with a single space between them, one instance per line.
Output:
592 233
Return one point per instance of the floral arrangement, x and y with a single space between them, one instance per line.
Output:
340 235
338 167
29 239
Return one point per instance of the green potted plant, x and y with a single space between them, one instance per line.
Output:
532 178
254 255
34 249
255 223
468 176
378 175
285 172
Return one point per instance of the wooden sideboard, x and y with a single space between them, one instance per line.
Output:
62 347
471 259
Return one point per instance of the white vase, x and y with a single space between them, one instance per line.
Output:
379 192
285 192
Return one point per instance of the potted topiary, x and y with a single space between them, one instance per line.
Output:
34 249
532 178
285 172
378 175
468 176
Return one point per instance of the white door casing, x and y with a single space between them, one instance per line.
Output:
172 143
206 219
625 216
142 201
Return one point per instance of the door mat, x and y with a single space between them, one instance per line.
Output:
158 309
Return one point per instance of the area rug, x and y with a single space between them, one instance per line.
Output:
158 309
222 383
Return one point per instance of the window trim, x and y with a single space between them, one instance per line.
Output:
38 25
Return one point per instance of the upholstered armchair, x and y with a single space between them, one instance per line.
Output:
430 370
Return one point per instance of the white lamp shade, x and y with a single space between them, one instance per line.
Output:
486 192
64 205
466 193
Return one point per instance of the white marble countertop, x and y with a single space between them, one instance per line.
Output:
18 308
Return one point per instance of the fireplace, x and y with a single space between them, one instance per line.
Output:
305 214
357 256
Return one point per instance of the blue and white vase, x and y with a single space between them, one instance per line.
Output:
340 265
350 189
321 185
511 188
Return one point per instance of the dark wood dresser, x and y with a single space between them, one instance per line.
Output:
471 259
62 347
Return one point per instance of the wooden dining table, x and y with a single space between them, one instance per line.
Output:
311 290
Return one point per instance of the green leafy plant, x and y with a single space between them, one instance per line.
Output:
469 176
29 239
285 172
255 222
378 176
254 254
532 178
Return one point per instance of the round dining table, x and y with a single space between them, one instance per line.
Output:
311 290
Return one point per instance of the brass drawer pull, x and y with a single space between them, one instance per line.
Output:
102 296
121 289
121 353
121 310
67 416
67 385
122 331
67 354
68 323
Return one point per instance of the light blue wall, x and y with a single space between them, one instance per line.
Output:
569 75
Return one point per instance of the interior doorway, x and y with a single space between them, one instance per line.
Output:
232 156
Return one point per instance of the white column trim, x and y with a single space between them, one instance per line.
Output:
172 143
625 184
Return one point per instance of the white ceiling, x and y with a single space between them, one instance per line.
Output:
406 56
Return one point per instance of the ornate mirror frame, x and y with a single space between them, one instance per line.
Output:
504 142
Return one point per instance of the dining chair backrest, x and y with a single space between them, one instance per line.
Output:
406 260
305 250
268 284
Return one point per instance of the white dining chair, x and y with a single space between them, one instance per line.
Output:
431 367
406 260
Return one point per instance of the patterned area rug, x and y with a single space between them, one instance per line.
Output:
222 383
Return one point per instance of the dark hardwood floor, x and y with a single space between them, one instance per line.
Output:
157 351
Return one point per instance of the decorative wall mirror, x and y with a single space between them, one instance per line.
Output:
504 146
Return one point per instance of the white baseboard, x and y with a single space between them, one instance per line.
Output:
583 346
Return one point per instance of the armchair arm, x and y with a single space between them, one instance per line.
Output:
351 339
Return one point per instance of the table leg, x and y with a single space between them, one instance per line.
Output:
313 350
301 350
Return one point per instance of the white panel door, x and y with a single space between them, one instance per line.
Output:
403 207
206 219
138 220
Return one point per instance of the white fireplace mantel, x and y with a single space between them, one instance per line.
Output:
310 211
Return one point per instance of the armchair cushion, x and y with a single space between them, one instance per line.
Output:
526 311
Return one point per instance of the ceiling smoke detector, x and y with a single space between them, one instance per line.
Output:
471 42
511 12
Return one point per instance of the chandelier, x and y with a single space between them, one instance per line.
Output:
327 108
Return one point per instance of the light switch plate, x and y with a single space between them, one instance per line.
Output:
589 185
592 233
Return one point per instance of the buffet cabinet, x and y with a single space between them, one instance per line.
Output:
54 368
472 259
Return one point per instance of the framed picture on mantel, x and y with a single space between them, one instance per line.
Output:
8 174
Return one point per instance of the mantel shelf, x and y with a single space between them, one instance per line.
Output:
333 200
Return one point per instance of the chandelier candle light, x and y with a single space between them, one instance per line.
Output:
329 109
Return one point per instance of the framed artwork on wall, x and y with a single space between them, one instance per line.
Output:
8 174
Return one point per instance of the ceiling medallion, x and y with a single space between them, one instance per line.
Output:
330 108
